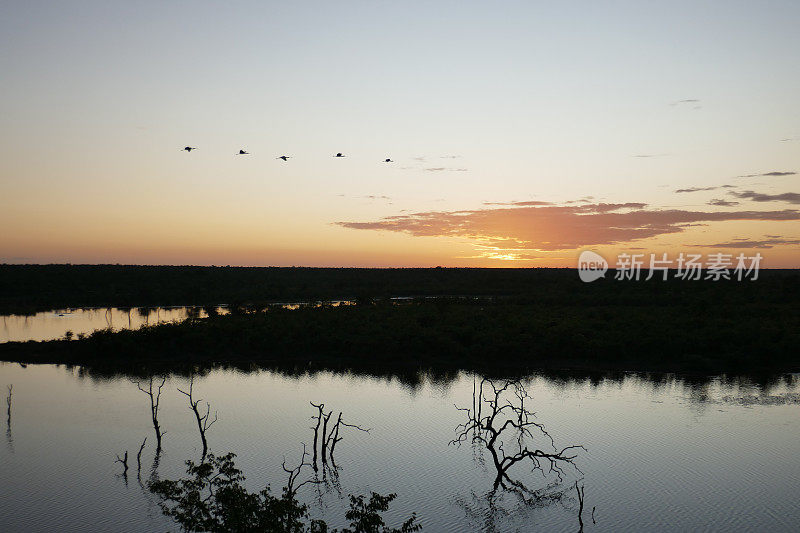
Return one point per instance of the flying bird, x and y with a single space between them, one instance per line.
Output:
340 154
190 148
242 152
284 157
387 160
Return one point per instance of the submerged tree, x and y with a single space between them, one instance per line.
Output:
124 462
139 460
155 399
214 498
204 422
8 404
500 422
329 438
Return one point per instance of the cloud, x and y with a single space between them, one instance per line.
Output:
605 208
747 243
695 189
443 169
549 228
692 102
375 197
768 174
584 200
531 202
790 197
722 203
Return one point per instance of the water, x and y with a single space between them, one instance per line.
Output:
662 454
50 325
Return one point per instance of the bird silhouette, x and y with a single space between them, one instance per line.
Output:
340 154
387 160
190 148
242 152
284 157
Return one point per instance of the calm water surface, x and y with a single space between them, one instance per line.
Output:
662 454
50 325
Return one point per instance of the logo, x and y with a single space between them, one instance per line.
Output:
591 266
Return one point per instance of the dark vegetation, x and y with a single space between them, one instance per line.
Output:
32 288
488 336
532 320
214 498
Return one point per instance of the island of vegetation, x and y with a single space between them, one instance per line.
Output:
489 320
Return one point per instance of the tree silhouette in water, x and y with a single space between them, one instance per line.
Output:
214 498
501 422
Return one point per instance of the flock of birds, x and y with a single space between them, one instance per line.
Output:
284 157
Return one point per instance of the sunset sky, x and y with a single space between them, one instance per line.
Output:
520 132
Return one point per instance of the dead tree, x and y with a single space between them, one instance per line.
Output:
320 408
8 402
139 460
327 442
580 492
203 421
155 398
324 445
322 419
333 436
291 489
499 421
124 461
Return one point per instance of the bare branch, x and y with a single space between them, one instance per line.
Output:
318 417
499 412
124 462
295 472
8 402
155 399
203 421
139 459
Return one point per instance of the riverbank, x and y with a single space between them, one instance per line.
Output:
496 336
26 289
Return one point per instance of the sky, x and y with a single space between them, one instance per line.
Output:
520 133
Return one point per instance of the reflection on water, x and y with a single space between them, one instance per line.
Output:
501 423
662 453
50 325
55 324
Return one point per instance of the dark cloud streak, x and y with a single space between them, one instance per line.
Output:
774 173
722 203
746 243
790 197
696 189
